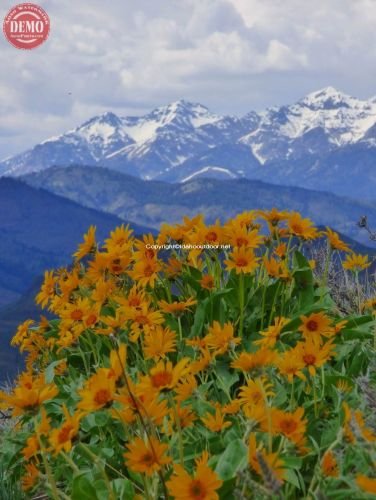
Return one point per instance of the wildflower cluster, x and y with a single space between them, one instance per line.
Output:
196 374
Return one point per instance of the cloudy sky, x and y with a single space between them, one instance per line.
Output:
129 56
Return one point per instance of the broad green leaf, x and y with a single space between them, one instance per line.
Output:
124 489
199 320
83 489
233 459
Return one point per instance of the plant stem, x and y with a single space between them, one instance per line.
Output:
68 459
314 397
102 470
241 304
180 330
50 476
178 425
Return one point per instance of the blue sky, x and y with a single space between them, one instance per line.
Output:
129 56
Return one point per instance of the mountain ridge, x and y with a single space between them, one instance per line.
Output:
152 202
185 140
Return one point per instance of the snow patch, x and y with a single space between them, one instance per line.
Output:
210 169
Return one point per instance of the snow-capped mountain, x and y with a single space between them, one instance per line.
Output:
144 146
184 140
318 123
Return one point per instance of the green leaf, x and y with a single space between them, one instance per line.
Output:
357 335
123 489
292 478
233 459
199 320
101 418
101 489
50 371
225 378
354 321
226 492
83 489
303 280
293 462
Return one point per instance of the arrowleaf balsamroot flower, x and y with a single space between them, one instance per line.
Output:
255 392
143 319
248 362
145 272
176 308
146 457
356 262
120 237
203 485
148 404
290 365
302 228
48 289
273 216
271 334
329 465
216 422
221 338
238 235
118 359
185 388
313 355
276 268
366 483
275 464
29 394
243 260
164 376
207 282
335 241
29 477
98 391
290 424
113 349
88 244
61 438
159 342
314 325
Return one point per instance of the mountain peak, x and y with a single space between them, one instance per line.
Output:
182 107
327 98
108 117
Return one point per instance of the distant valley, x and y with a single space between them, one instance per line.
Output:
149 203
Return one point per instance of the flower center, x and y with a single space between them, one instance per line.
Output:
141 319
102 396
147 459
312 325
309 359
134 302
116 266
91 320
256 397
241 241
288 426
77 315
161 379
197 489
211 236
149 253
241 262
64 433
148 270
297 228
